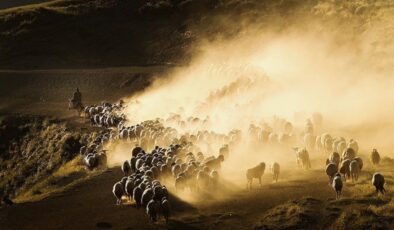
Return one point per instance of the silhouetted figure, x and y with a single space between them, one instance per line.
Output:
77 97
76 102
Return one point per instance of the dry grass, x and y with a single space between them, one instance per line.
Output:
33 148
63 178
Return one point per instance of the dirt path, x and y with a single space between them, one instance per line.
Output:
91 205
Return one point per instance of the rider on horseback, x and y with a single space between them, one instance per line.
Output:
77 97
76 102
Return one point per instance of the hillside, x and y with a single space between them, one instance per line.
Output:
4 4
102 33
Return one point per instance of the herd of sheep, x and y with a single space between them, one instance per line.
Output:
184 166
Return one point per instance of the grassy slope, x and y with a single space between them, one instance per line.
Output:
115 33
98 33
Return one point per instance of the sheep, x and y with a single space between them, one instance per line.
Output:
137 195
126 168
375 157
224 150
354 170
215 163
378 182
129 188
360 162
165 209
344 168
353 145
256 172
302 156
275 169
133 162
335 158
341 146
152 209
165 192
331 171
158 192
214 178
326 142
91 160
202 180
118 192
147 195
337 185
139 163
123 182
175 170
348 153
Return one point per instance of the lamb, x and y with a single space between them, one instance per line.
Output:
165 209
256 172
152 209
378 182
126 168
275 169
117 190
331 171
137 195
337 185
375 157
354 170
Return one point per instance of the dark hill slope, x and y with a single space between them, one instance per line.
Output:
99 33
4 4
104 33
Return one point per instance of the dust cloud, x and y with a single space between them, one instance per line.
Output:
261 74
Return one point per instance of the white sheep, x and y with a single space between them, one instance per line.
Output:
256 172
275 169
118 191
337 185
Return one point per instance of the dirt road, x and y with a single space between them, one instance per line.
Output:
91 205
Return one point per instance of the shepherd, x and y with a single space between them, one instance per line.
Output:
76 102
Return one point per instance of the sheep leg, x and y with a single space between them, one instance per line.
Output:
260 182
